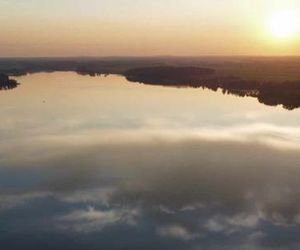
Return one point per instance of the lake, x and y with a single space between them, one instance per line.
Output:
103 163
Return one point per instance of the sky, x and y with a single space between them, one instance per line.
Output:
143 28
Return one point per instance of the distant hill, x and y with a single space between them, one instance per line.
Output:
269 69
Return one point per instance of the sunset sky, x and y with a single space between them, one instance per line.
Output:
148 27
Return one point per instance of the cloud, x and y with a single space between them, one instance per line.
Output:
232 224
90 220
177 232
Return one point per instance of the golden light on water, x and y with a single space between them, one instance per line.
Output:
284 24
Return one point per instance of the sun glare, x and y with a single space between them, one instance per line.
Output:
284 24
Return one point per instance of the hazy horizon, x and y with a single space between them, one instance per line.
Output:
146 56
145 28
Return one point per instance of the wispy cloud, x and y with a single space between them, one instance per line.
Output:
90 220
177 232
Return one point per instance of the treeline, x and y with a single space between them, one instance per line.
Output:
6 83
270 93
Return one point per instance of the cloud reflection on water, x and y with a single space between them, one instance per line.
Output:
159 184
192 189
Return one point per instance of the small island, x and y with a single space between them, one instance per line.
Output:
6 83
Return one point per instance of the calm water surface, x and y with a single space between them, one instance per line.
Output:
102 163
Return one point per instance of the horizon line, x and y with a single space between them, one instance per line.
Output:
149 56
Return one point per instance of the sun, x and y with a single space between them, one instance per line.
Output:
284 24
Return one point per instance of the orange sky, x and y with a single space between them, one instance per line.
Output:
142 28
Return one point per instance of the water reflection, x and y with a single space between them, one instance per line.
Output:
216 177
